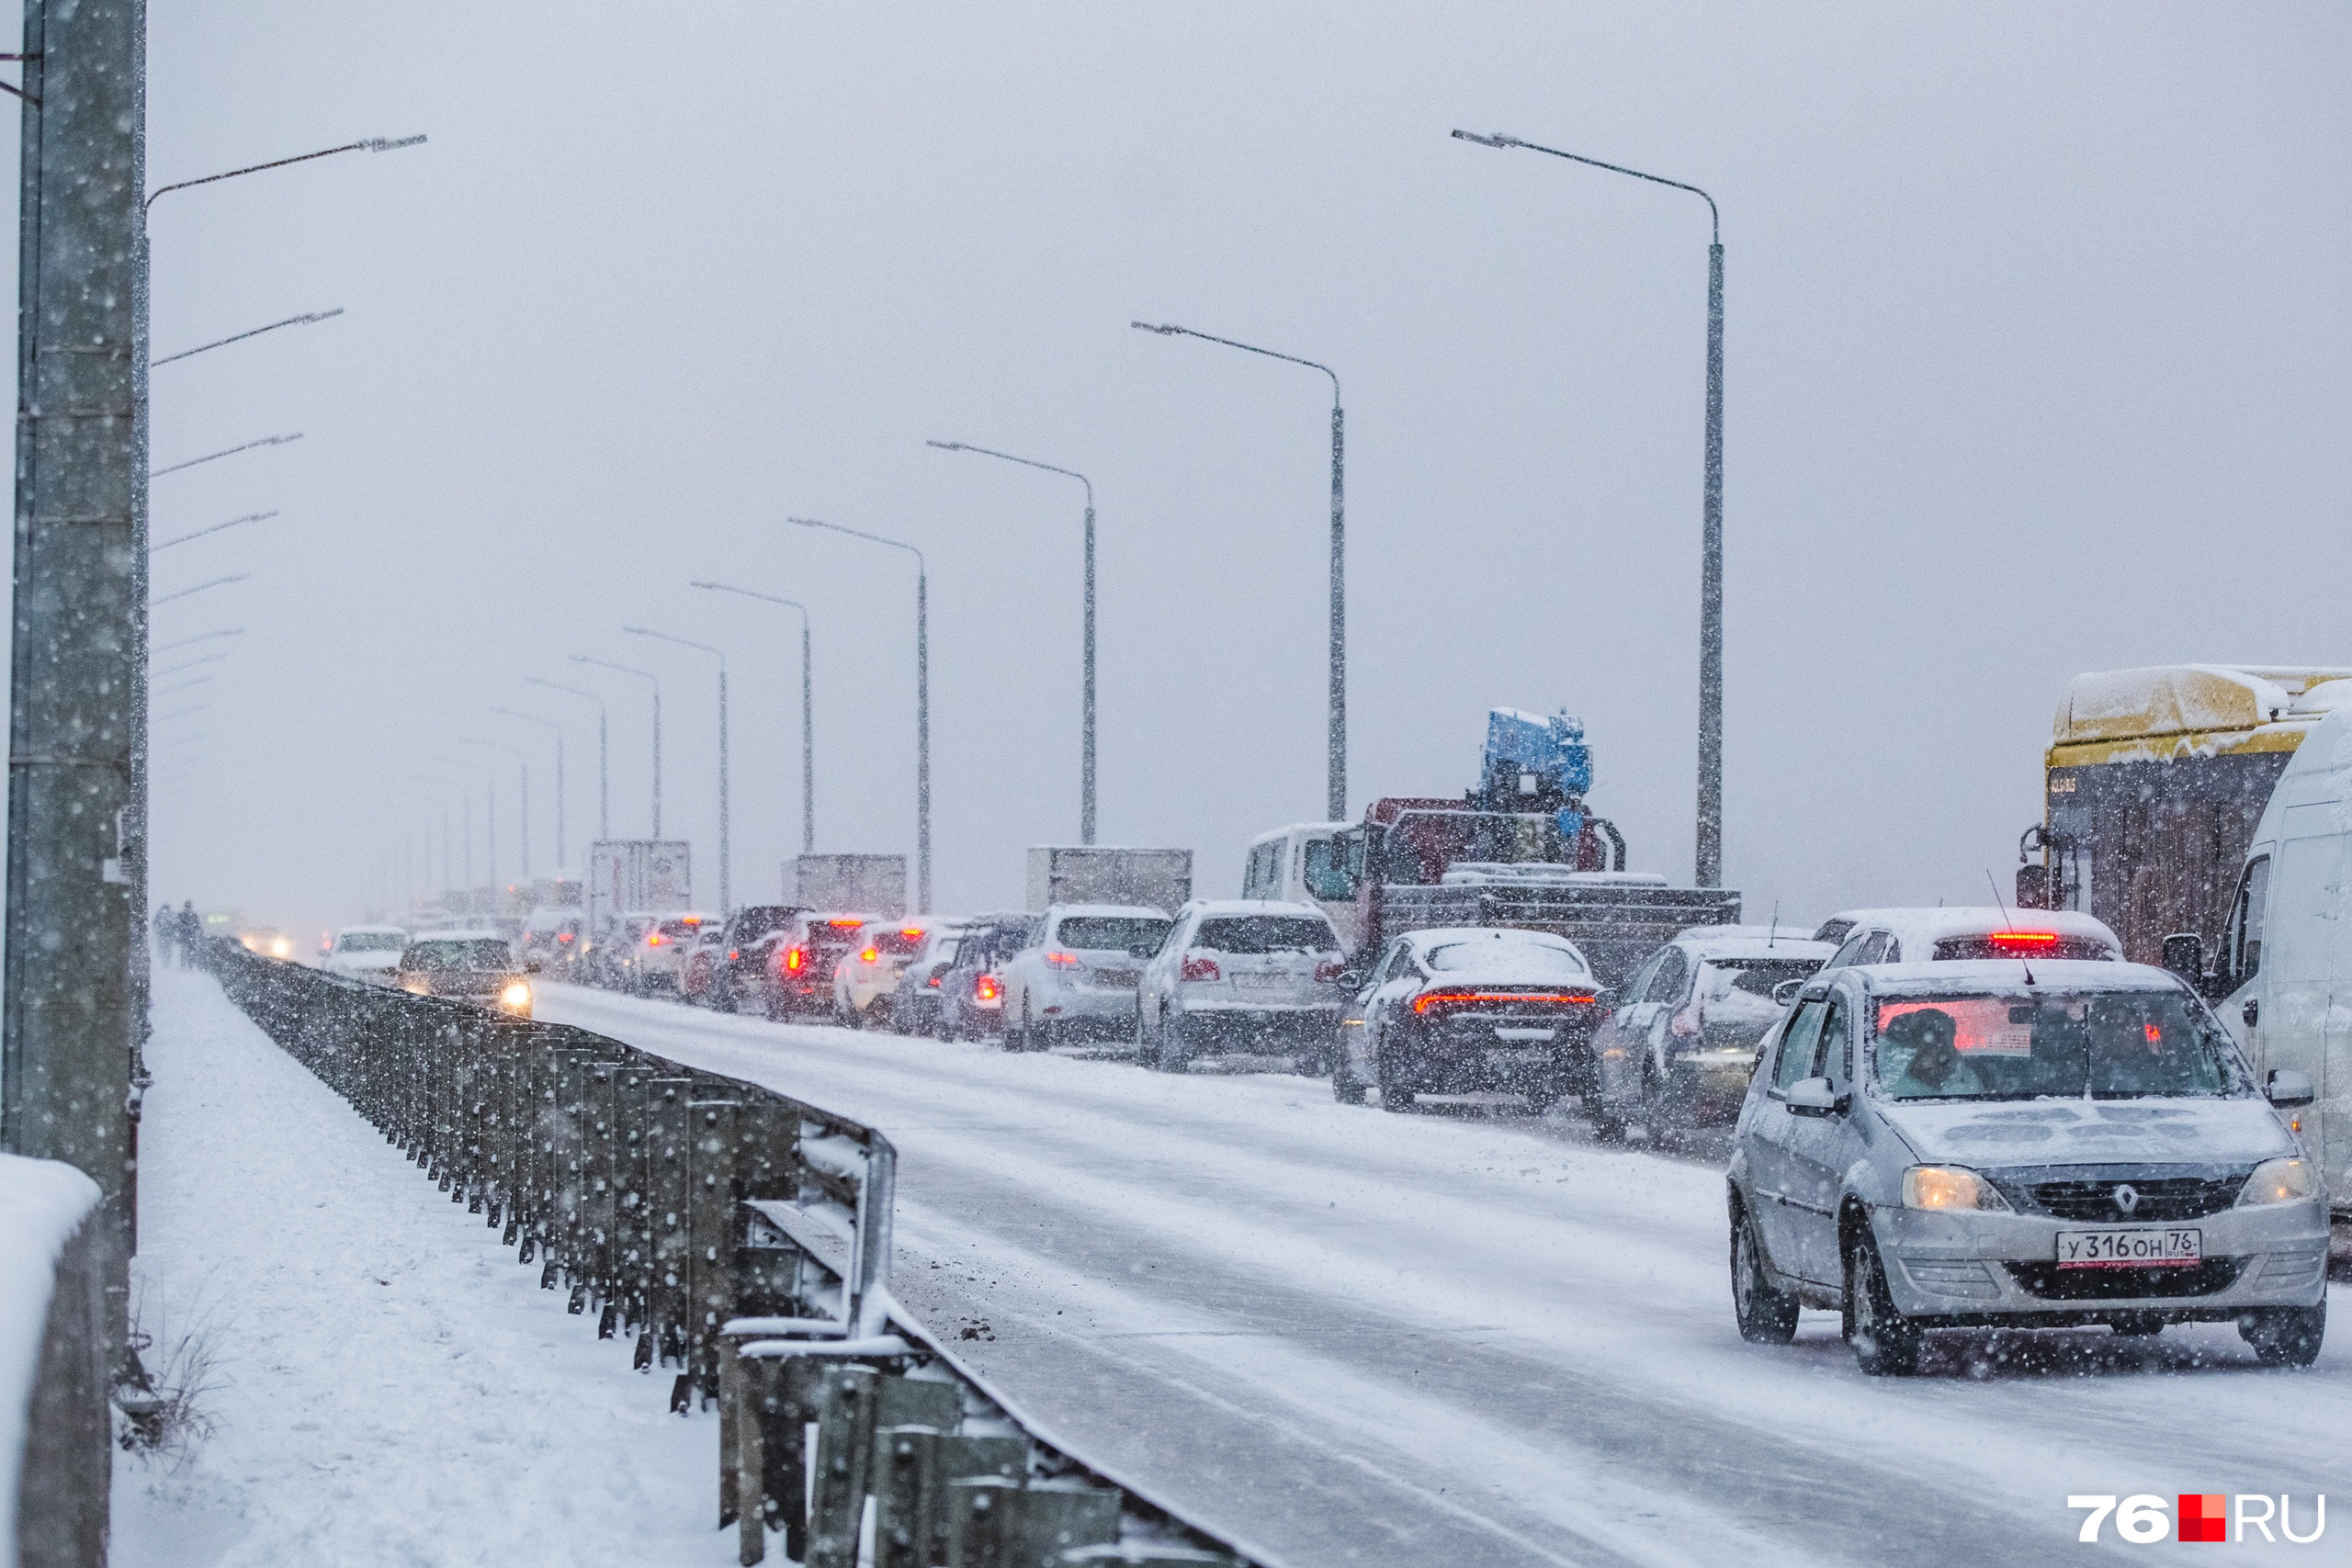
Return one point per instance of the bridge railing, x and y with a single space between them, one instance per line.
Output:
737 1234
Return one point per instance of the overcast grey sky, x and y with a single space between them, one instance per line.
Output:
2036 364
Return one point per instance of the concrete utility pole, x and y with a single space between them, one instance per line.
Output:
562 857
75 966
604 759
807 712
725 854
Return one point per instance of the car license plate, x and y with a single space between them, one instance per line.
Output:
1116 979
2153 1247
1262 982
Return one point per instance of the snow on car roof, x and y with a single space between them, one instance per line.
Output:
467 933
1973 975
1432 936
1137 911
1252 907
1753 941
369 930
1931 925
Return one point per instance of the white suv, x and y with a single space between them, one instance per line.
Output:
1242 974
1076 980
365 952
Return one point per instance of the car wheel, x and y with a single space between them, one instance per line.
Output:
1018 1039
1145 1055
1608 1127
1767 1316
1344 1086
1175 1049
2285 1336
1886 1344
1393 1095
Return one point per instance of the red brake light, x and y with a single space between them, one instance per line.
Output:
985 989
932 982
654 939
1455 998
910 930
2022 941
794 958
563 936
1062 960
843 924
1200 968
733 955
869 955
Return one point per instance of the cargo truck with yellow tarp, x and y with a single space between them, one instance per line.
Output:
2154 783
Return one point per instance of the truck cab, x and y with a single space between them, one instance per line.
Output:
1306 863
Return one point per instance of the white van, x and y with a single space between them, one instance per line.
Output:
1300 864
2285 969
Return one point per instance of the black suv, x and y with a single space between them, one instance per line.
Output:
745 946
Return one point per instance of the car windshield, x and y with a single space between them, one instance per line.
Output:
463 952
1536 960
1266 933
370 942
1113 933
1719 978
2069 1044
675 929
897 943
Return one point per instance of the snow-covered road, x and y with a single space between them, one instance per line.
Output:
1344 1336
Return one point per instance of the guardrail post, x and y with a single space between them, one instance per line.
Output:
914 1465
597 1194
667 1159
710 1249
632 1248
844 1416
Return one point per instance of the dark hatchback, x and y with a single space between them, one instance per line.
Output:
1469 1010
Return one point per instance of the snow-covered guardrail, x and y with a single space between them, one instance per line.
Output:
56 1432
740 1236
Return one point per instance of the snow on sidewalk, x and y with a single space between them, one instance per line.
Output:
394 1388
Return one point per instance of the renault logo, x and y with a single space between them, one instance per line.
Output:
2127 1198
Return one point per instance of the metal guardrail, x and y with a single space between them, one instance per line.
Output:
739 1234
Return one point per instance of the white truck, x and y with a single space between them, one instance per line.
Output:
2282 980
629 877
1093 874
863 885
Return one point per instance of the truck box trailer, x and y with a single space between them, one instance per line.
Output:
1093 874
636 875
863 885
2153 783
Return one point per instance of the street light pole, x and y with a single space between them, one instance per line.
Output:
604 791
649 675
523 760
725 905
923 701
1086 723
1336 764
807 706
1710 855
534 719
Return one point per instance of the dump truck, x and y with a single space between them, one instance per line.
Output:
2153 783
1520 850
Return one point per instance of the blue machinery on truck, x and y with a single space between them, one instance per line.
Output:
1538 765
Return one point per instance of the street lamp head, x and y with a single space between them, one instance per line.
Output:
1497 139
1163 331
948 445
393 145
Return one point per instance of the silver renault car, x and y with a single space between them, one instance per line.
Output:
2022 1143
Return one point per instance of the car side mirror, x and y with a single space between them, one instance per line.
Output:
2184 954
2288 1089
1811 1096
1786 992
1349 979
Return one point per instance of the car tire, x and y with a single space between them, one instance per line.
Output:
1393 1096
1608 1127
1175 1048
1767 1316
2285 1336
1344 1086
1018 1039
1886 1344
1145 1055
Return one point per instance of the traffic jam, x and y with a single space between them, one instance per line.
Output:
2102 1099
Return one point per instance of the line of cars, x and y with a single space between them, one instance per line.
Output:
1953 1118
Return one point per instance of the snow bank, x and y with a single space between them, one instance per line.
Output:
44 1204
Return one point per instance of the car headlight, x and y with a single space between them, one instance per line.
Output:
516 995
2279 1181
1949 1187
